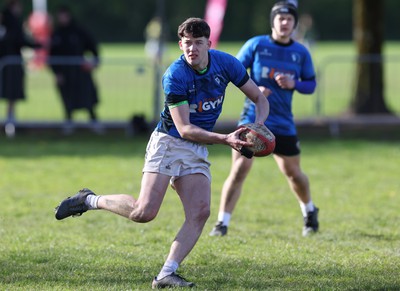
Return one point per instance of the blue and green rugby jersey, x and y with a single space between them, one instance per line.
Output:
205 93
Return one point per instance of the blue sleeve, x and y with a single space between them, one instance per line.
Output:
173 82
237 72
306 86
246 54
307 82
307 69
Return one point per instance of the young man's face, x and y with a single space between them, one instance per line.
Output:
283 25
195 50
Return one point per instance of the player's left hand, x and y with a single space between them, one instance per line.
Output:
285 82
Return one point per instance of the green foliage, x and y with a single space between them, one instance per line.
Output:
354 182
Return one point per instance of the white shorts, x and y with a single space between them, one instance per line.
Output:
175 157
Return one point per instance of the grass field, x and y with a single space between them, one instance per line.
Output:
354 182
126 84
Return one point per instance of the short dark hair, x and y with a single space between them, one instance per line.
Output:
197 27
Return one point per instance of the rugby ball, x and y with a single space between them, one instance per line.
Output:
262 138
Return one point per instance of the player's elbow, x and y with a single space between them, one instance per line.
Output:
312 87
186 132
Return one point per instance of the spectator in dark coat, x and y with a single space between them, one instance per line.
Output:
69 46
12 40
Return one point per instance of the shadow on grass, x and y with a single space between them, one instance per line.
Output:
29 270
377 236
247 275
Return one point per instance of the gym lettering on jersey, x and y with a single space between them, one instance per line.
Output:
205 93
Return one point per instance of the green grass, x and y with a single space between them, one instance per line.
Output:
126 84
354 182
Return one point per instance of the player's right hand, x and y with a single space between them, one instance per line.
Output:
266 91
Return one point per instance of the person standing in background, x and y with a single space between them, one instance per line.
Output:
12 40
279 64
69 44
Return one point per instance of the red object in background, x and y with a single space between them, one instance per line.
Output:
40 27
214 16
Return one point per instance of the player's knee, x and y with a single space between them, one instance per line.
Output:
201 216
143 215
296 176
290 171
204 214
238 177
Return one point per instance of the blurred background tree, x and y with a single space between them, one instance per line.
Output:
369 37
125 20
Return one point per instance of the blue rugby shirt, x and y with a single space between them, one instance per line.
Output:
266 58
205 93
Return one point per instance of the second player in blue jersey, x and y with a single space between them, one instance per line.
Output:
279 66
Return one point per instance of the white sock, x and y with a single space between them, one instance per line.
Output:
225 217
168 268
91 201
306 207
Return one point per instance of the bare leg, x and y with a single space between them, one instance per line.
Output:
146 207
234 183
196 204
298 181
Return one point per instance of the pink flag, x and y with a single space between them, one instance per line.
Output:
215 11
